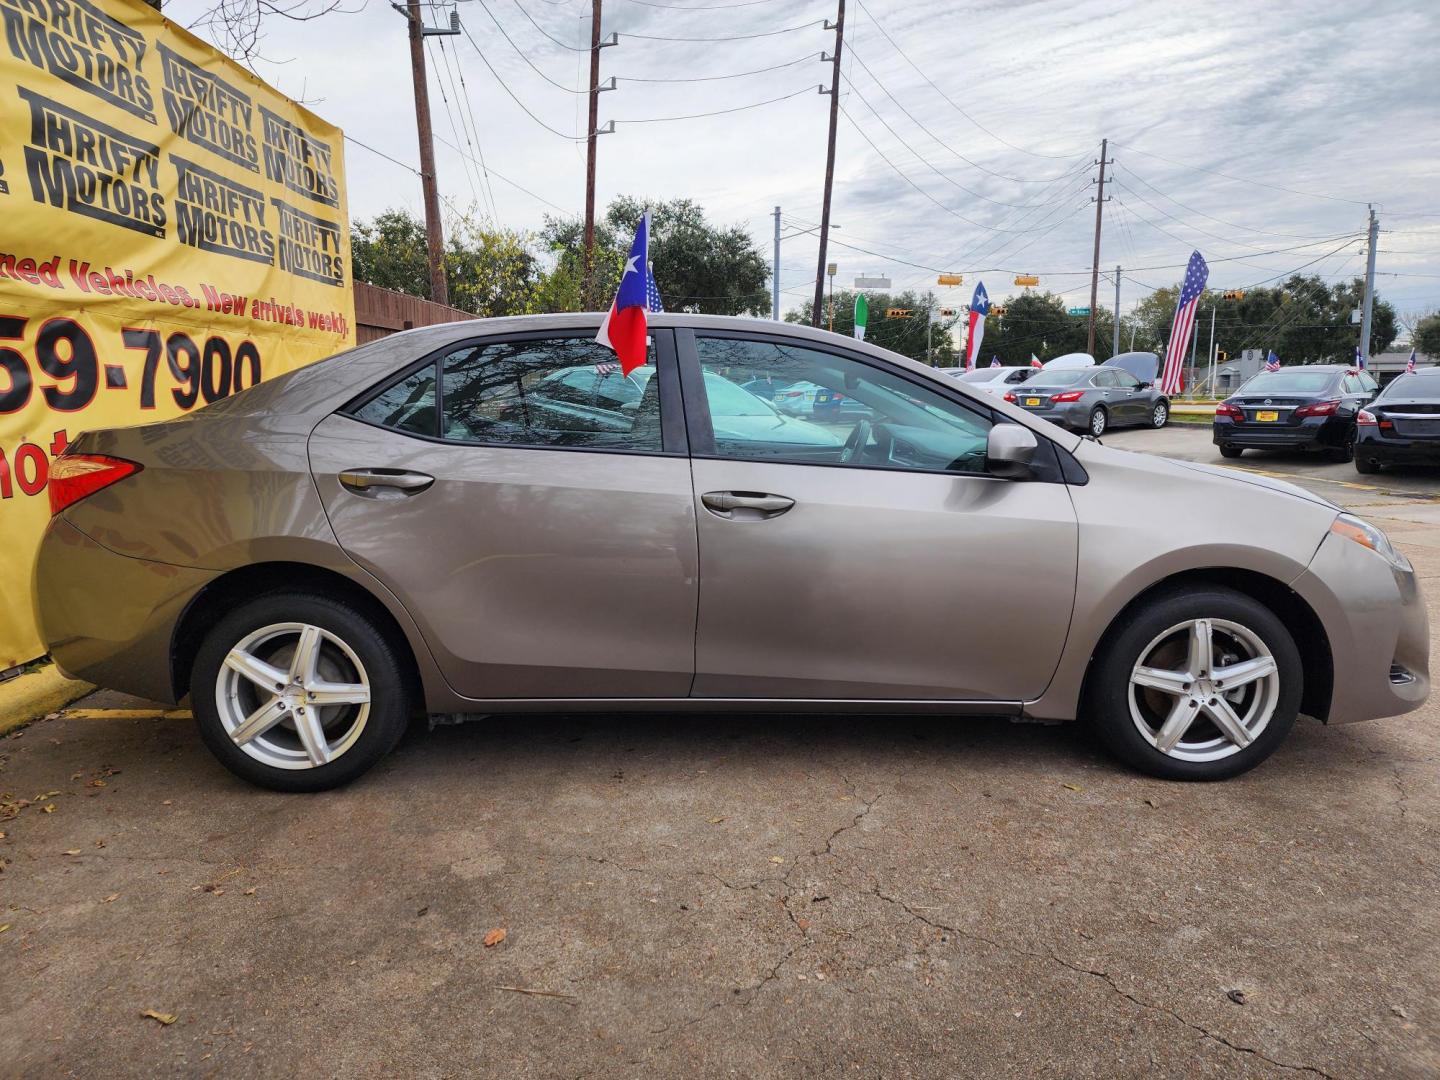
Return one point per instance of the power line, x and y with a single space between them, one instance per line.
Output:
1221 221
730 37
1184 224
504 179
718 78
469 117
704 7
1243 179
521 53
381 153
470 174
715 112
893 44
974 164
552 37
523 107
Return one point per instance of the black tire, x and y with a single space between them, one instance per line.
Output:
389 705
1231 451
1107 704
1099 419
1368 466
1160 414
1344 452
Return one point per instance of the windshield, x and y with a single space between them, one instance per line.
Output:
982 375
727 399
1063 377
1422 384
1297 381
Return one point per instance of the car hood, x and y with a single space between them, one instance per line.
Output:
1257 480
1143 365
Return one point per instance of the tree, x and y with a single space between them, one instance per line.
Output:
491 271
1425 338
699 267
1037 323
904 334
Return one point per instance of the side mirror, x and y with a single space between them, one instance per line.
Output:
1009 451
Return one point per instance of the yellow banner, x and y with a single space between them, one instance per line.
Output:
172 231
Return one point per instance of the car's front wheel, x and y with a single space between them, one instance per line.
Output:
1198 684
298 692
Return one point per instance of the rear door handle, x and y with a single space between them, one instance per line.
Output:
750 504
381 483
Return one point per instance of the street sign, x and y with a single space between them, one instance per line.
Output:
864 282
898 313
1025 280
1077 311
950 279
831 268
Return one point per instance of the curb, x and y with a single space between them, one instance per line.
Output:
30 696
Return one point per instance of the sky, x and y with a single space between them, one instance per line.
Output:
1255 132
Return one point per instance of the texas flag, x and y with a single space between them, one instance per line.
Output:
979 308
624 328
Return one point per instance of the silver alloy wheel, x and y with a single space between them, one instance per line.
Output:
1160 415
1097 423
1204 689
293 695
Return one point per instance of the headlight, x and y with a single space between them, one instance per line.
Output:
1367 535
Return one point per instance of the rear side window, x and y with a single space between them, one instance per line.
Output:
549 392
408 405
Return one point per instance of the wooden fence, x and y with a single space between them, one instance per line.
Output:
381 312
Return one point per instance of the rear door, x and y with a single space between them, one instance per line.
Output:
542 534
872 558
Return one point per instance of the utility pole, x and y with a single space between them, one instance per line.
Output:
591 133
1115 348
1369 289
1212 350
1095 262
434 236
834 92
775 274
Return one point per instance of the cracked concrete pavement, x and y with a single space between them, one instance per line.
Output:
731 896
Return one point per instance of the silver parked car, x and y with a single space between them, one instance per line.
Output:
422 525
1118 393
993 380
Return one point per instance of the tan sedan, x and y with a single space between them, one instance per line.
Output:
489 517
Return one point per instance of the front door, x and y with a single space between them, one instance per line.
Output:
865 555
531 507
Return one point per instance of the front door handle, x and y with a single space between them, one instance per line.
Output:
383 483
745 505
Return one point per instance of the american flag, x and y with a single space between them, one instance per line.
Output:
1196 274
994 361
1272 362
1359 360
652 291
1410 364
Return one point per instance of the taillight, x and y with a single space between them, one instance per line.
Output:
1069 395
1227 409
77 476
1010 396
1320 408
1366 418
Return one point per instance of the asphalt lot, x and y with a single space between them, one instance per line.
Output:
758 897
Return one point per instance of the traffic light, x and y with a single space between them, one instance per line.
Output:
1221 356
1233 294
997 311
947 312
898 313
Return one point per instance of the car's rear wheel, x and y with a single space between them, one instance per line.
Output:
1159 415
1231 451
298 692
1368 466
1099 421
1344 452
1200 684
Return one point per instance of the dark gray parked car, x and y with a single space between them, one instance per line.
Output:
1118 393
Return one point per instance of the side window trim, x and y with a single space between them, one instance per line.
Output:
672 420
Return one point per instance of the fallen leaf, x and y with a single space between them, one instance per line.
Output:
713 821
1072 787
168 802
493 938
4 927
1237 996
803 924
112 898
165 1018
73 851
1152 803
48 808
250 891
2 836
776 859
1398 1010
